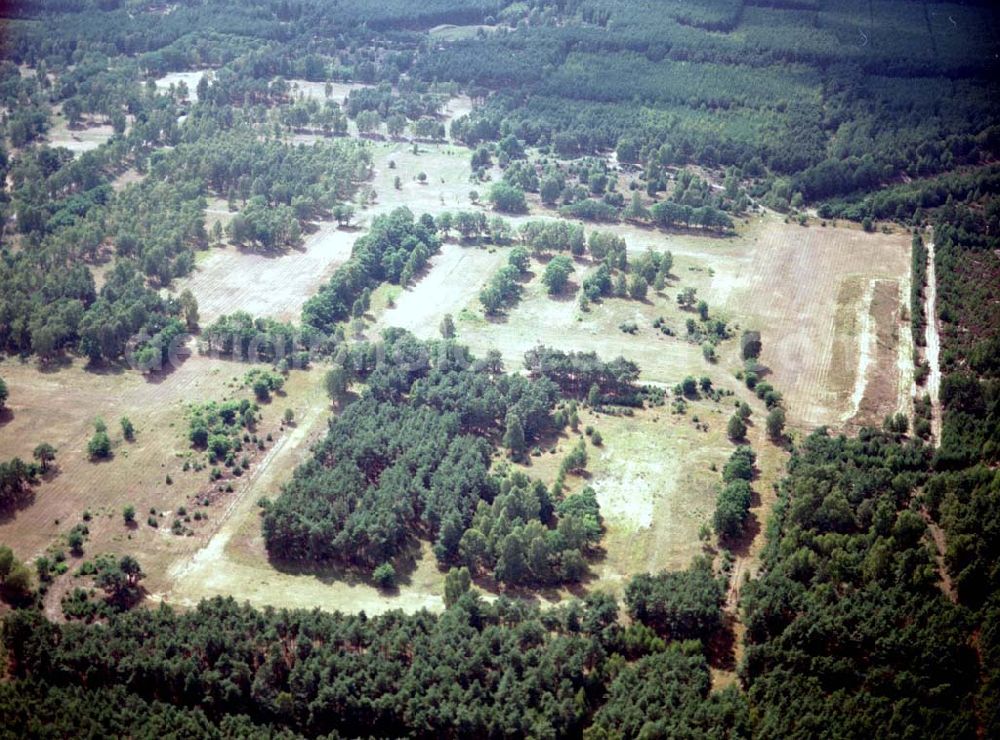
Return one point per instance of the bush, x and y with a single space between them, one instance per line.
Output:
128 429
128 514
99 446
776 423
385 576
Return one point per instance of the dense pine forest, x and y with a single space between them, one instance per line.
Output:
875 608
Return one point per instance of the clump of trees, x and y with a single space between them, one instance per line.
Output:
99 445
394 250
502 291
682 605
218 428
16 584
577 373
508 198
16 479
557 274
412 455
732 507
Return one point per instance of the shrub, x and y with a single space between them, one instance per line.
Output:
128 429
99 446
385 576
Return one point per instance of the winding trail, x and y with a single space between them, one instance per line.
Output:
933 346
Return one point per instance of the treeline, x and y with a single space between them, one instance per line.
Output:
961 496
918 284
243 337
501 669
967 267
916 201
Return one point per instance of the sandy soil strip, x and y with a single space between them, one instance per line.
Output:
933 348
866 350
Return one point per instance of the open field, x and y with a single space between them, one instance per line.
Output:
191 79
450 32
59 406
84 138
231 279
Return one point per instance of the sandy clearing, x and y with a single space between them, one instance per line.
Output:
190 78
450 32
230 279
453 280
79 140
883 385
338 90
59 407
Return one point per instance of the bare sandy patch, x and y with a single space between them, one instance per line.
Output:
190 78
882 385
231 279
84 138
453 279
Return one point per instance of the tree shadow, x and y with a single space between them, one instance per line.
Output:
21 499
269 254
6 415
720 647
567 294
54 364
330 572
496 318
98 367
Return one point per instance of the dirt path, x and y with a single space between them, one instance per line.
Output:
933 348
